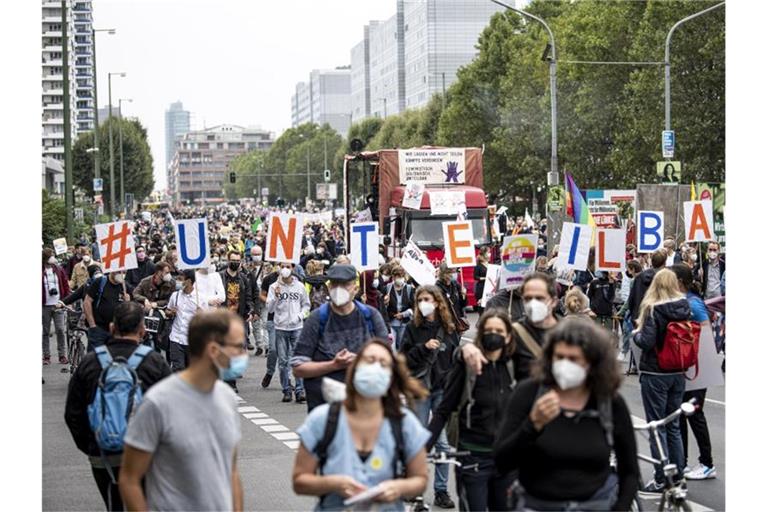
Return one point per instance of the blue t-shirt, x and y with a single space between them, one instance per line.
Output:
344 460
698 308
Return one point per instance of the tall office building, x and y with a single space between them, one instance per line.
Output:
80 56
176 123
199 166
402 61
324 99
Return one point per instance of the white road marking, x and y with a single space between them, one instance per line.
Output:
268 425
247 408
255 415
274 428
293 445
265 421
718 402
286 436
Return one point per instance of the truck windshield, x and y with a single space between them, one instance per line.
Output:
428 231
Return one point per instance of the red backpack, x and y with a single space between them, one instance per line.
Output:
680 350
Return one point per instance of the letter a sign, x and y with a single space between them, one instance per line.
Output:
192 236
284 237
699 226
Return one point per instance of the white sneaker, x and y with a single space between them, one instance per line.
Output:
702 472
687 470
621 357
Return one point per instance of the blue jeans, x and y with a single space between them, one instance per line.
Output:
96 337
626 328
662 395
285 341
423 408
398 331
272 356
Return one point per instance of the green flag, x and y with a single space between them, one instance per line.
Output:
256 224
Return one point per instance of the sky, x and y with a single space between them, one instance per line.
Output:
227 61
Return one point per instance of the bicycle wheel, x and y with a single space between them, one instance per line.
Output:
636 505
681 506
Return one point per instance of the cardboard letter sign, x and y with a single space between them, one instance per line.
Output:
650 230
417 265
284 237
364 244
518 259
699 223
574 246
192 237
609 250
116 246
459 244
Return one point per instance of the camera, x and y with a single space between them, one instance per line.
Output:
53 291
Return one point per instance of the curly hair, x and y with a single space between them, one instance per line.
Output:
443 313
401 384
603 377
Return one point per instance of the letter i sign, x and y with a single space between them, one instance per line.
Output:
116 246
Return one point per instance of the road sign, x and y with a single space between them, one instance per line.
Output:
669 172
100 209
78 214
264 191
98 184
668 143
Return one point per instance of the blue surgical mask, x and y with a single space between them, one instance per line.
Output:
237 367
372 380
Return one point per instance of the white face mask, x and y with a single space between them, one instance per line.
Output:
86 259
375 283
426 308
399 281
119 278
536 310
340 296
51 260
712 255
167 278
285 273
385 278
568 374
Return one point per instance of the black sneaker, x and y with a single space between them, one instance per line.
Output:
651 488
301 398
266 380
259 351
287 396
250 346
442 500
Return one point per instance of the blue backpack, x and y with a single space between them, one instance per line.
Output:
325 313
118 394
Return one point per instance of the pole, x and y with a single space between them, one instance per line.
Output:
667 65
325 152
385 107
96 160
68 195
111 153
120 132
309 195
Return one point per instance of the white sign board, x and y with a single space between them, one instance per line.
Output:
414 192
609 250
574 246
699 222
60 246
364 243
459 244
116 246
417 265
192 243
491 283
710 372
447 202
284 237
446 165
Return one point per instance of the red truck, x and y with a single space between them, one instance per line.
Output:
440 169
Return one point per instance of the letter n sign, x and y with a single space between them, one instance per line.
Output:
192 237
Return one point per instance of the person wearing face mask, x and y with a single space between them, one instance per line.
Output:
127 332
101 299
288 300
80 270
334 333
399 301
712 269
182 306
428 345
368 441
94 273
144 269
55 286
633 269
478 401
481 269
454 293
560 427
165 465
601 292
209 286
539 300
155 290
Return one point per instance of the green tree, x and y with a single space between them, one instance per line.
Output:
54 220
137 160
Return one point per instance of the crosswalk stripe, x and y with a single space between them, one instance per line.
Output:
265 421
248 408
274 428
293 445
285 436
255 415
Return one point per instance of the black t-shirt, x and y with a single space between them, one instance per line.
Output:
265 284
112 296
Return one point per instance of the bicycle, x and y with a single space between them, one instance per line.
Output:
75 332
674 497
418 505
154 321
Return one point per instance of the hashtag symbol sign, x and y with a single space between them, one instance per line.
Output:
110 239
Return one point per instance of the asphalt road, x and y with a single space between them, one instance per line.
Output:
267 448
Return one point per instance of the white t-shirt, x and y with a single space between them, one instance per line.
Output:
186 305
209 286
51 282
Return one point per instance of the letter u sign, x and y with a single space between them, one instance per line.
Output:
192 237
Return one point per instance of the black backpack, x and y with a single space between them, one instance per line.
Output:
321 450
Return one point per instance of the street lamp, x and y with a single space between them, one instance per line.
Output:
553 179
111 148
96 168
120 131
384 99
301 136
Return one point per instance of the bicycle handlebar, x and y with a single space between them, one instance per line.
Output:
686 408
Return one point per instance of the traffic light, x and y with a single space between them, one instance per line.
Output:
232 178
327 175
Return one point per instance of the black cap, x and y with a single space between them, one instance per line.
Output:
341 272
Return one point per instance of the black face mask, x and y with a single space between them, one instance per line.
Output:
234 265
492 341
